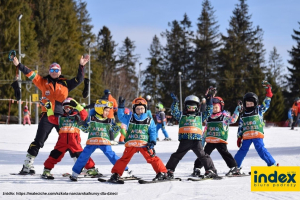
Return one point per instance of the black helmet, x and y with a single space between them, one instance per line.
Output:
252 97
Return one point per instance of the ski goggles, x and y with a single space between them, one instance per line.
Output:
140 101
189 107
215 100
103 103
67 108
54 70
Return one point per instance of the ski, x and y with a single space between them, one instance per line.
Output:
47 177
25 174
132 178
108 181
204 179
84 175
158 181
238 175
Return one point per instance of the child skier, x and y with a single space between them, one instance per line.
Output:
26 117
123 128
251 127
190 134
98 128
141 137
161 121
69 135
216 134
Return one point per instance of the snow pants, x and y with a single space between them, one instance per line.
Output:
260 148
155 161
196 147
66 142
43 131
26 118
222 149
160 126
87 152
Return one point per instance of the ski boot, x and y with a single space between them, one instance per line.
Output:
73 177
157 139
115 177
160 176
47 175
170 174
234 171
92 172
211 174
112 142
196 172
28 167
167 139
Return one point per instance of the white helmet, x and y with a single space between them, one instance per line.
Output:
148 97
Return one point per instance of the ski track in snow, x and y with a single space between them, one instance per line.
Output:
282 143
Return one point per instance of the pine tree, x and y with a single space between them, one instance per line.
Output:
241 60
9 39
293 79
153 70
276 67
127 85
106 59
178 54
206 46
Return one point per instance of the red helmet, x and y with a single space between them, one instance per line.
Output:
219 100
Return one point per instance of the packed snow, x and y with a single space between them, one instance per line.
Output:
282 143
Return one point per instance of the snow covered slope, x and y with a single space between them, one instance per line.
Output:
282 143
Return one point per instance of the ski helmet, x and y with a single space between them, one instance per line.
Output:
252 97
159 106
219 100
296 99
139 102
148 97
66 102
101 104
25 107
192 100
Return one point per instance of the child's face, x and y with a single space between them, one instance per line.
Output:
249 104
139 110
106 112
216 108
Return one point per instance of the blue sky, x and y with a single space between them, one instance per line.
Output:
140 20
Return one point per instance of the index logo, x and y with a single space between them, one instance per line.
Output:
275 178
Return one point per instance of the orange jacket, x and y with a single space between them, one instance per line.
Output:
295 109
115 106
55 94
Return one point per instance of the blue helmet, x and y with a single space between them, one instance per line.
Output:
106 91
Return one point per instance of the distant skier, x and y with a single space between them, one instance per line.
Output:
161 121
296 112
26 116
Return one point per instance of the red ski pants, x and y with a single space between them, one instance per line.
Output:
121 164
66 141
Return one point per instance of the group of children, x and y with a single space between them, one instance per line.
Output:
142 134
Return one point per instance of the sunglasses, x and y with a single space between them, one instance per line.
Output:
67 108
54 70
191 107
140 109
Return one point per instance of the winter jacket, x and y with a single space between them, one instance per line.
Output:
56 90
132 120
251 124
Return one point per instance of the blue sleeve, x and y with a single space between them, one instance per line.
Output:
149 114
240 129
264 106
152 132
122 117
92 112
175 111
207 113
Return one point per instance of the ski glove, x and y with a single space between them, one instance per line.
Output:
121 102
239 142
76 105
240 106
48 106
175 99
151 144
268 87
